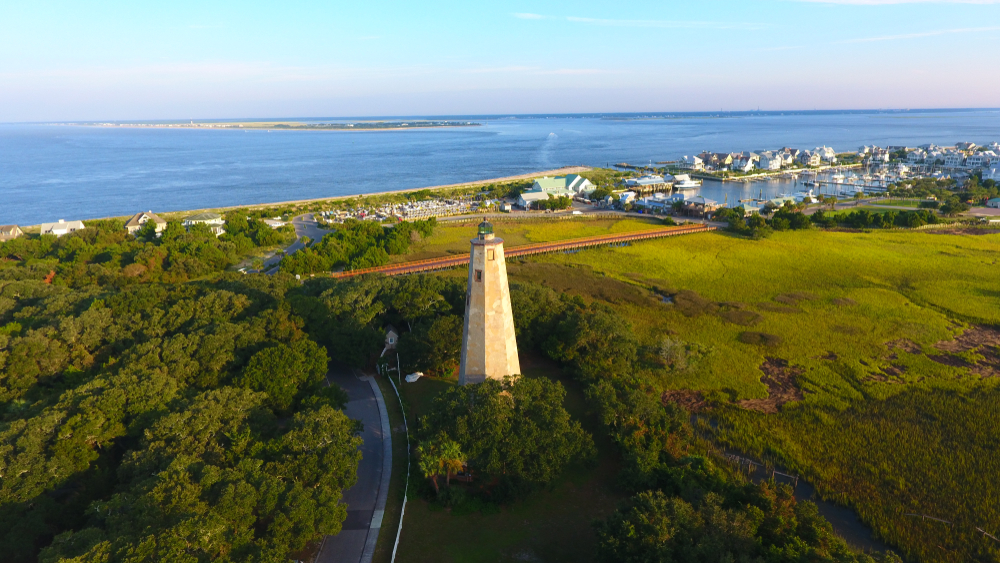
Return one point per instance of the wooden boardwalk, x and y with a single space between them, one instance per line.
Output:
526 250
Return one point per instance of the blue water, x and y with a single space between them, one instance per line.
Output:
49 172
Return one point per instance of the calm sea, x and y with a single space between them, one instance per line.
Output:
50 172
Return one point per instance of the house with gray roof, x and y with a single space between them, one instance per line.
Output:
62 227
9 232
139 220
213 220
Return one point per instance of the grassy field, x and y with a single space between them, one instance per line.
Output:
833 353
899 202
551 525
877 404
453 238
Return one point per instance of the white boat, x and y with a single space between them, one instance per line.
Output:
684 182
837 178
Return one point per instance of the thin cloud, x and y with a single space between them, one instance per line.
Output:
527 16
574 71
666 24
500 69
919 35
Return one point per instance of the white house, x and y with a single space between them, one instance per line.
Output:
827 154
693 163
62 227
809 158
770 161
993 173
954 159
994 203
915 156
742 164
978 160
213 220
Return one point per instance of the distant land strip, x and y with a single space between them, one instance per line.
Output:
293 125
530 175
525 250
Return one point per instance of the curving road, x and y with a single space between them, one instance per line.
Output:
305 226
366 499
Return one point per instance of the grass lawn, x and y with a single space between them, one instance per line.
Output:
453 238
899 202
551 525
892 415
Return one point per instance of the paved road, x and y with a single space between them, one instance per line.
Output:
366 499
305 226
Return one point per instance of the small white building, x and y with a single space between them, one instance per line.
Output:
275 223
994 203
62 227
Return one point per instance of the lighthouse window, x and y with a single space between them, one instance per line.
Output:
489 254
479 275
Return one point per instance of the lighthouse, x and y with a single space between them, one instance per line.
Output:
489 347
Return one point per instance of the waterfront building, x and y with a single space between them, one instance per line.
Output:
692 163
489 345
9 232
213 220
770 161
62 227
139 220
954 160
978 160
647 183
809 158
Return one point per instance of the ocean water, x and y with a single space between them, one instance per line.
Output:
53 171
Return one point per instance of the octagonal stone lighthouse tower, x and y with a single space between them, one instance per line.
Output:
489 348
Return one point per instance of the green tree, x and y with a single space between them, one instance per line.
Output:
440 455
516 429
282 370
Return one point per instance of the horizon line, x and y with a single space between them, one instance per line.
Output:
502 115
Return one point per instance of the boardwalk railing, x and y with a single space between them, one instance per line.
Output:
526 250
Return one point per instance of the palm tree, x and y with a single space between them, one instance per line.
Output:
440 455
451 458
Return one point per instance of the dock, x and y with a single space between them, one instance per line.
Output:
446 262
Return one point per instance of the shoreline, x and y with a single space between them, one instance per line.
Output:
527 176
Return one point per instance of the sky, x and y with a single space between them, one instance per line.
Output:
117 60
